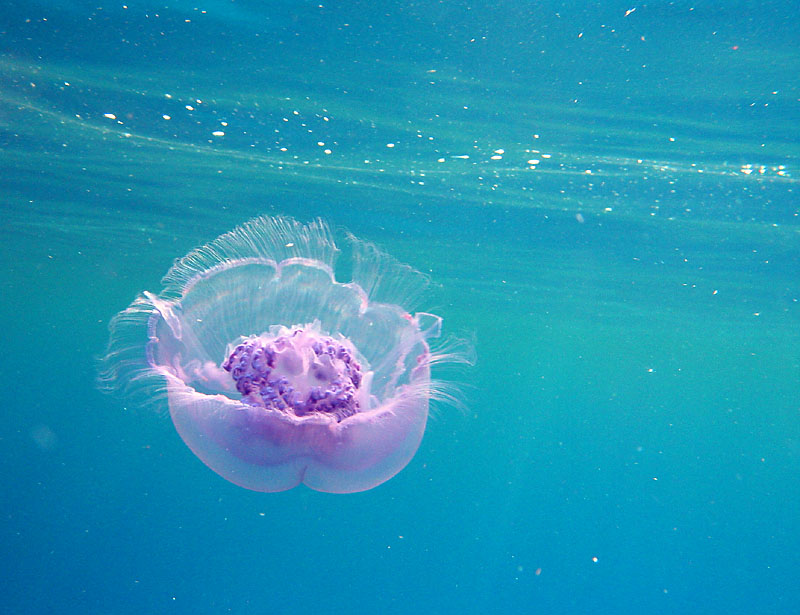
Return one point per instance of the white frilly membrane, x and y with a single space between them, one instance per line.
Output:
269 275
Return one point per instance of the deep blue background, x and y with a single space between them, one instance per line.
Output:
631 436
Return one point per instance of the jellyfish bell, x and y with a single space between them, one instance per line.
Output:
275 373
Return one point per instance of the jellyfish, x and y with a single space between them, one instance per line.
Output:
275 374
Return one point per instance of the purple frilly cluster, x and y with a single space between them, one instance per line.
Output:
300 372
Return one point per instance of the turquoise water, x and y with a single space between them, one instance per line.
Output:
630 435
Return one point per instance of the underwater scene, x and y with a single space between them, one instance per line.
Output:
400 307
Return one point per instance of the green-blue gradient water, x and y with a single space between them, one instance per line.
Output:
606 195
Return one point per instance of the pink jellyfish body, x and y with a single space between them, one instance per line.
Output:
276 374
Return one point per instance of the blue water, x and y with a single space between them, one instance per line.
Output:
630 437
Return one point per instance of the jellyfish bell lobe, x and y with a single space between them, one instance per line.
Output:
274 372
